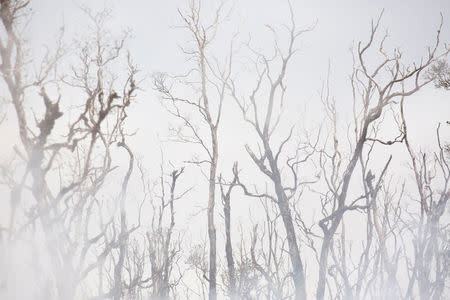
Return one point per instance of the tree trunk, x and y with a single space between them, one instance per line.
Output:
283 204
228 247
294 253
210 213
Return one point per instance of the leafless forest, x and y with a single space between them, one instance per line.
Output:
340 200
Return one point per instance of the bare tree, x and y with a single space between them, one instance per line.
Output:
62 210
267 160
163 248
429 267
209 86
376 94
149 262
226 196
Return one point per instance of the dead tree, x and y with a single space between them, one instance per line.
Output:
207 103
61 210
226 195
376 94
163 247
429 266
269 255
263 118
150 262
